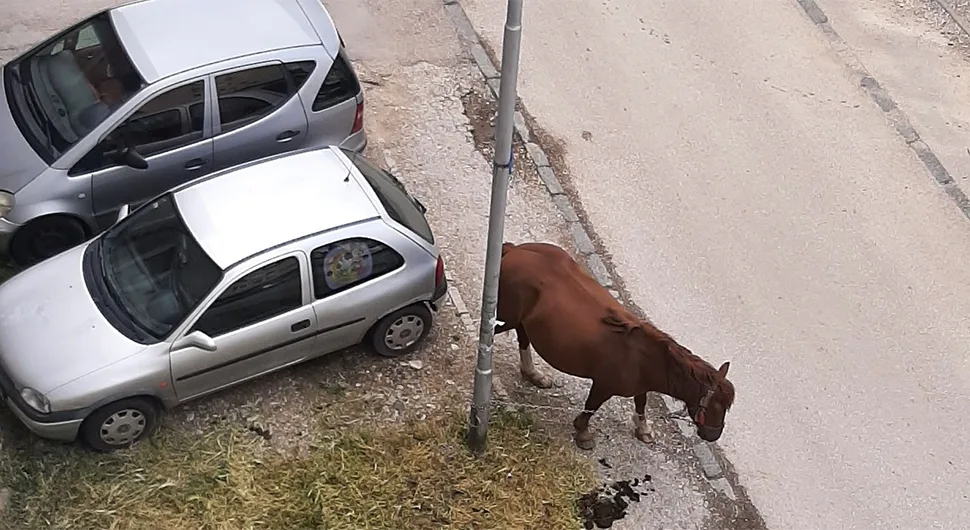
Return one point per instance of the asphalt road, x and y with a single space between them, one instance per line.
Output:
761 209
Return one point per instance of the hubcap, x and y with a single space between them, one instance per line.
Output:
404 332
123 427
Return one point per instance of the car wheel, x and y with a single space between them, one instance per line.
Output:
120 424
402 331
46 237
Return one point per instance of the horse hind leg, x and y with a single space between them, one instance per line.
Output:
585 439
644 428
526 364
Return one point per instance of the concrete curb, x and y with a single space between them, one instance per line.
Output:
704 451
881 98
454 297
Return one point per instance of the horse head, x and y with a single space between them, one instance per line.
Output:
715 400
706 391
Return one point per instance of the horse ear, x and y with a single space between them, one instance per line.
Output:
724 369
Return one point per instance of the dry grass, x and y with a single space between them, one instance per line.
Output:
418 475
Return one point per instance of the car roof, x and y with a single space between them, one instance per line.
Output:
167 37
245 210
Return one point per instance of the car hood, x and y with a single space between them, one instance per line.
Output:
19 163
51 333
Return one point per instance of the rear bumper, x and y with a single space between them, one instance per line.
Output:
356 142
439 295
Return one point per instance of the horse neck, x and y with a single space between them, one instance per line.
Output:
688 377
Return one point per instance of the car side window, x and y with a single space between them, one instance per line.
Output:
163 123
268 291
340 85
339 266
247 95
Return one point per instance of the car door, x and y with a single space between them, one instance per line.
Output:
169 131
258 114
348 294
259 323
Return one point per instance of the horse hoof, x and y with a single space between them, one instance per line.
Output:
585 442
538 379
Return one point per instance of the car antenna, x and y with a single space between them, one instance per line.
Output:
347 178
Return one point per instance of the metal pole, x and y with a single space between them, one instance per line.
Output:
501 174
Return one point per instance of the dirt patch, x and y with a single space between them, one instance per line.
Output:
481 109
481 112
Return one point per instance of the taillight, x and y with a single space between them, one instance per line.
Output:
439 273
358 118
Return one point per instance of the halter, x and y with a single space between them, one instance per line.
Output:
702 406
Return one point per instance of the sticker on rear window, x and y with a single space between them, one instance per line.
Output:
347 263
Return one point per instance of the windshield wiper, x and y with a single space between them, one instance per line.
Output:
117 307
33 103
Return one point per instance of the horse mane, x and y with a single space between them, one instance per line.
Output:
689 364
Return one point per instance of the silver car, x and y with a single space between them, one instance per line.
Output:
140 98
226 278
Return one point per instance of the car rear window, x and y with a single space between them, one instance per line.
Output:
395 198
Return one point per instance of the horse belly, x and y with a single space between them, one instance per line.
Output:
568 356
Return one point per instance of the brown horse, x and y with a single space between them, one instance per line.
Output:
573 323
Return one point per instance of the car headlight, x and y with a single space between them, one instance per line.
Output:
6 203
36 400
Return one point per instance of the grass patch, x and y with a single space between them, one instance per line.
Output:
416 476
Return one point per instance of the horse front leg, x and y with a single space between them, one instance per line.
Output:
526 365
584 438
644 428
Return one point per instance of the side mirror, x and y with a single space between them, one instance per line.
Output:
196 339
128 156
123 212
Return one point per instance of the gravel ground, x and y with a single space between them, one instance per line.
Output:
933 14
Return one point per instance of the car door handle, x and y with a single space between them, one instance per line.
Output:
286 136
301 325
194 164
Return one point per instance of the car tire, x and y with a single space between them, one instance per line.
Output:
402 331
119 425
46 237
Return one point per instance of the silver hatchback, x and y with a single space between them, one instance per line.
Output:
140 98
226 278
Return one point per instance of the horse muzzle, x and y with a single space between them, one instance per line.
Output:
709 434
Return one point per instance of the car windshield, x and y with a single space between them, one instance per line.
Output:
60 92
154 269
